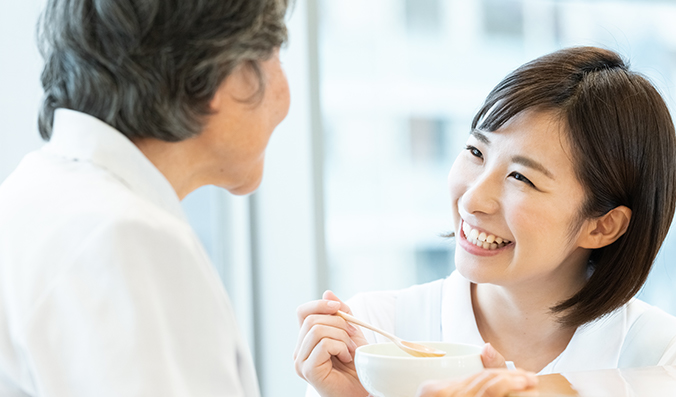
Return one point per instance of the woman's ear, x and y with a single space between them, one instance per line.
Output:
604 230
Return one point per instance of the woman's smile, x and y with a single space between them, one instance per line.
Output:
482 243
517 184
483 239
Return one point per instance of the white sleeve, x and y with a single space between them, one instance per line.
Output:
137 313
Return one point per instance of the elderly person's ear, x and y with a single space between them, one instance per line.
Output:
241 85
604 230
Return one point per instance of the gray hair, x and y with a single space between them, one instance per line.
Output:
150 68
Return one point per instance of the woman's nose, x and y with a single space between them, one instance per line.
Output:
481 195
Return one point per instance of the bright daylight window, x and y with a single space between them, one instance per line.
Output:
400 82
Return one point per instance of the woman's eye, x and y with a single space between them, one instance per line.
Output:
474 151
520 177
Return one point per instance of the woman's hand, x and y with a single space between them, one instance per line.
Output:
487 383
491 358
324 354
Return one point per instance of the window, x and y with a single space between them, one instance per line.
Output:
423 16
396 119
433 263
503 18
428 140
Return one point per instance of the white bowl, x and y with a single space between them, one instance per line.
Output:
386 371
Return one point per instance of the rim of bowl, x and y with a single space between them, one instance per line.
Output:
409 357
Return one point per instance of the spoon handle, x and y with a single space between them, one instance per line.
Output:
354 320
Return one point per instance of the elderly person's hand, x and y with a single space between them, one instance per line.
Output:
487 383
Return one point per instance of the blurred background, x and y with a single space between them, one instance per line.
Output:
354 197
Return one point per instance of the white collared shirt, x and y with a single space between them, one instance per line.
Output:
105 289
599 344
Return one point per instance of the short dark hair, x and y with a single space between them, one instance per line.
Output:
150 68
624 150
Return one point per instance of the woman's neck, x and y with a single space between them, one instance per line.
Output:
519 323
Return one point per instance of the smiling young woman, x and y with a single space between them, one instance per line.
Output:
561 200
619 137
524 192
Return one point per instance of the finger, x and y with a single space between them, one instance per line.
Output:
329 295
322 319
499 382
319 332
458 387
352 329
473 384
437 388
487 383
321 306
505 383
319 360
329 320
313 341
491 358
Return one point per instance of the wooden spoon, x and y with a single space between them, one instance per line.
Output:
414 349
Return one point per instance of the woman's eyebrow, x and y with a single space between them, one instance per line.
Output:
480 136
530 163
525 161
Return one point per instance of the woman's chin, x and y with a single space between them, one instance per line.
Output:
468 273
473 272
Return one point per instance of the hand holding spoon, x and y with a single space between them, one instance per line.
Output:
414 349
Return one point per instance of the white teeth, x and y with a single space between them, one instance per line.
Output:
481 239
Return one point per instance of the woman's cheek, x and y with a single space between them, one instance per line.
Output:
459 178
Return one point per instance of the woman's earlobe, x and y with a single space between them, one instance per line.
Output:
607 228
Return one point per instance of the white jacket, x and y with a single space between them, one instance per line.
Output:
104 288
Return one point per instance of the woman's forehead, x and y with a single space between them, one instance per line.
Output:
533 126
539 136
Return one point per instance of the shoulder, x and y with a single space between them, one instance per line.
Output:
643 315
650 338
635 335
54 230
59 205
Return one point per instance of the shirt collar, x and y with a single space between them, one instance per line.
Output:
81 137
458 324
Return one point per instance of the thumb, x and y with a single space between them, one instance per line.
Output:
491 358
329 295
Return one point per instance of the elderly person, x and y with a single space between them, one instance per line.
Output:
104 288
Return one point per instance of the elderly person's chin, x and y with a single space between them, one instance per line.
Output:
247 183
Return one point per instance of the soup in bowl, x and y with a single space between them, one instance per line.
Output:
386 371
